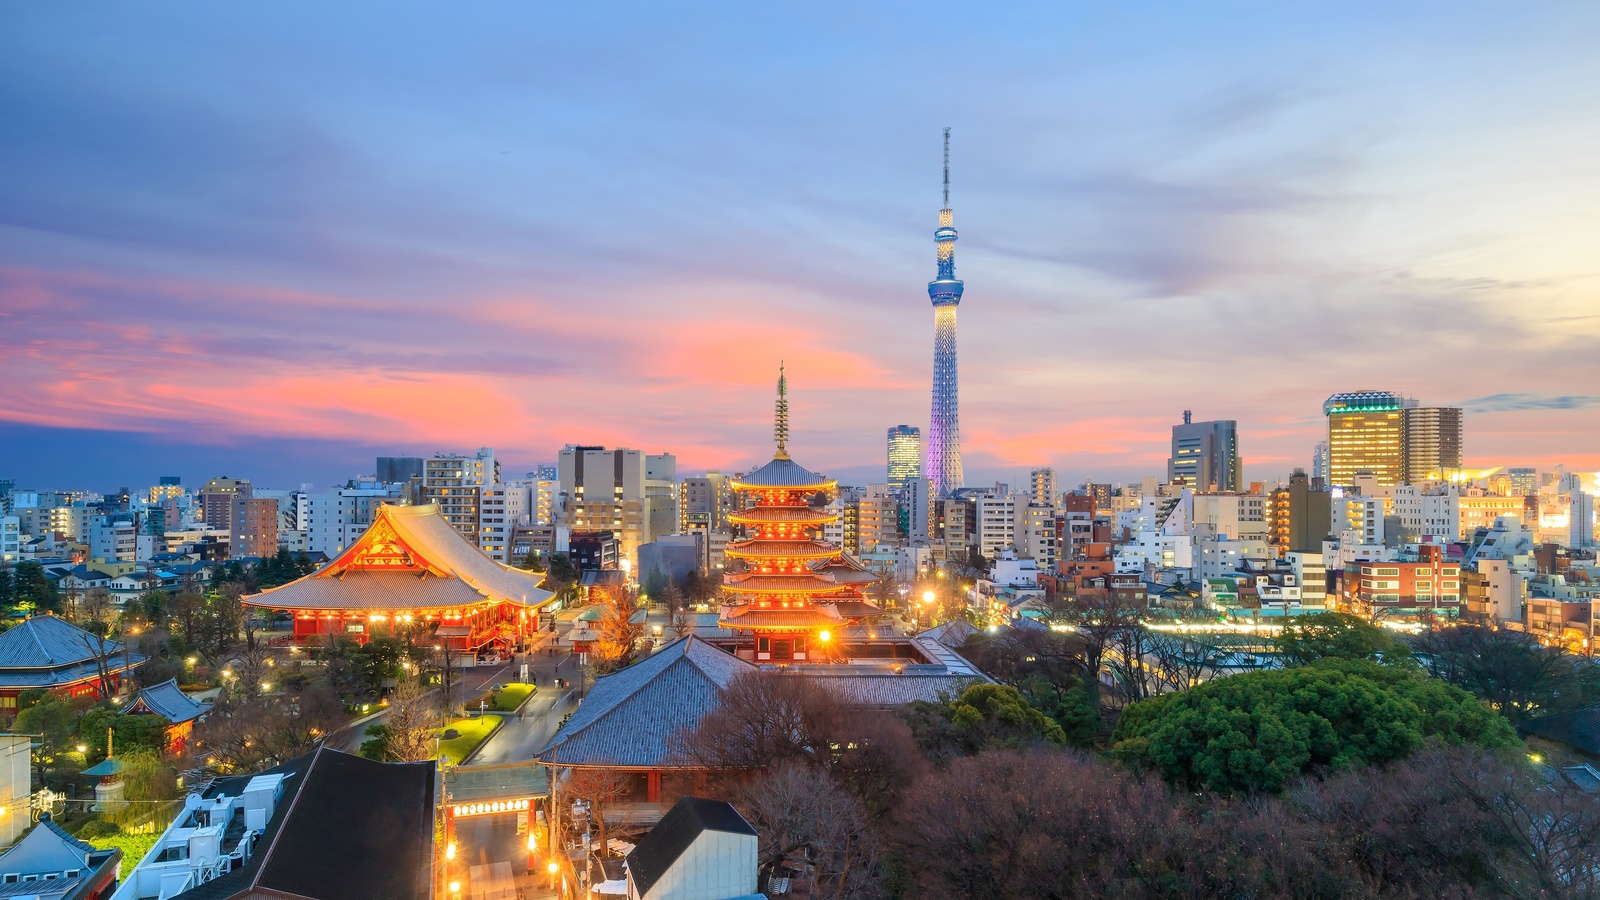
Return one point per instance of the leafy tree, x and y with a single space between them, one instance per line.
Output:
129 733
984 716
655 585
1332 635
619 639
50 717
32 586
8 588
1510 670
533 562
1259 730
146 779
562 574
154 606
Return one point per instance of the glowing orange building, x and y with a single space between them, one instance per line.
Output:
412 572
795 593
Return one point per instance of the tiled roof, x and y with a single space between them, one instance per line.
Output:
168 702
803 617
630 717
46 642
1579 729
782 473
754 583
457 574
886 689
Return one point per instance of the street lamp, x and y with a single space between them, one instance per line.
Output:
553 868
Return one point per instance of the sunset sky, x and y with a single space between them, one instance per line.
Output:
274 240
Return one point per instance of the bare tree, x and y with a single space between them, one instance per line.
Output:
1102 617
765 718
94 618
598 788
682 621
1180 661
807 822
248 733
411 724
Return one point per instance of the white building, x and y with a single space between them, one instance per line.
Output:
502 508
1219 556
997 521
113 541
10 540
700 850
1580 520
1312 573
336 518
1428 515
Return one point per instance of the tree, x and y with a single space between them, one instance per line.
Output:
984 716
94 620
411 725
153 605
619 639
532 562
8 588
129 733
682 621
1259 730
1510 670
561 576
146 780
655 584
54 720
185 609
33 588
801 815
244 733
1332 635
1102 616
764 719
598 788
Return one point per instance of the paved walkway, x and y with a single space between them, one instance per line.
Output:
522 736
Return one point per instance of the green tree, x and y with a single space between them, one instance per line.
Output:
50 717
1510 670
1332 635
1257 731
984 716
32 586
8 591
533 562
129 733
562 574
655 585
154 606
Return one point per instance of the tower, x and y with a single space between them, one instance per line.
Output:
943 464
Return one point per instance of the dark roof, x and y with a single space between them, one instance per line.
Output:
677 830
1579 729
353 828
783 472
630 716
46 642
167 701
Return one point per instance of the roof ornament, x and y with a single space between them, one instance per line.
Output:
780 424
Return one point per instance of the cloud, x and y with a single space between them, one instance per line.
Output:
1525 401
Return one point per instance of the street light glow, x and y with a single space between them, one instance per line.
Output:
824 636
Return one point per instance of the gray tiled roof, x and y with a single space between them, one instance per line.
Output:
782 473
884 689
46 642
630 717
168 702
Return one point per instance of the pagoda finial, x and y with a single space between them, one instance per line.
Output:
780 423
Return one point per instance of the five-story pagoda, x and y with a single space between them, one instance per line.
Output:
788 592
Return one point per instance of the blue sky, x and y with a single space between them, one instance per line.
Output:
273 240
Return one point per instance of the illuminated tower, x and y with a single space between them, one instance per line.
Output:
794 594
944 430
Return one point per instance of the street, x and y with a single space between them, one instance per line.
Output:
520 737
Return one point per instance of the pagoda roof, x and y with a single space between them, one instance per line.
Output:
764 618
796 549
845 569
800 515
851 608
409 558
783 473
756 583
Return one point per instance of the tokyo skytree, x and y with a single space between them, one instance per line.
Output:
943 465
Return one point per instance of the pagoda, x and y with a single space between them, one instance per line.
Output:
795 594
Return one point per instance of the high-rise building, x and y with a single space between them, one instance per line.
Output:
1205 455
943 463
398 469
216 501
905 455
456 483
1580 520
608 490
1042 488
1432 442
705 502
169 487
1319 462
254 532
1366 432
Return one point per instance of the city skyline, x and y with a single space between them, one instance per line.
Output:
236 280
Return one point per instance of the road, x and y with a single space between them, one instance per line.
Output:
520 737
471 682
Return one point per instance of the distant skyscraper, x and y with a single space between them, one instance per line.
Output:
1524 481
1433 442
905 455
1205 455
1319 462
943 464
1042 488
1580 521
1366 432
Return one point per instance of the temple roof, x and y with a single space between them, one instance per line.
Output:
780 619
845 569
630 717
801 515
797 549
168 702
755 583
410 557
783 473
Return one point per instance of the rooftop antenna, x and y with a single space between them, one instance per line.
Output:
947 168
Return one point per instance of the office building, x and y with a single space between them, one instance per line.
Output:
905 455
1042 488
398 469
1524 481
1205 455
1580 520
1366 432
706 501
609 490
1319 462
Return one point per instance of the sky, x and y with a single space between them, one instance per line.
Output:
275 240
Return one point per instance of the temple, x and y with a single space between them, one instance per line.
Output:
411 573
794 594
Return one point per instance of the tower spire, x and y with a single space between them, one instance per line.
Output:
780 417
946 168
